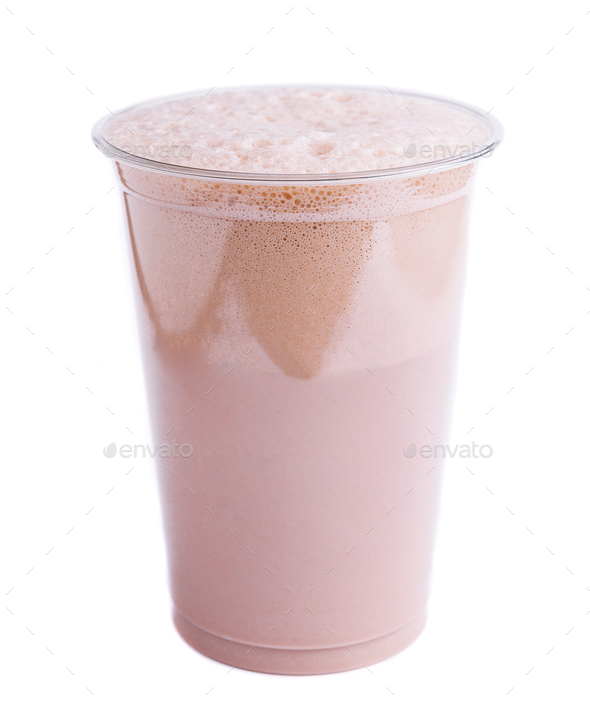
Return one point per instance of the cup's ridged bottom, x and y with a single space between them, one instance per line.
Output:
284 661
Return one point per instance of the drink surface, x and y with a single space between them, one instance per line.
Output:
296 130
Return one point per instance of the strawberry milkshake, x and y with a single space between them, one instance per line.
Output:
298 256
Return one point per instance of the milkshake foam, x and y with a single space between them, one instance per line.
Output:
290 269
295 130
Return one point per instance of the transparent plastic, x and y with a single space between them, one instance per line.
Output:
301 340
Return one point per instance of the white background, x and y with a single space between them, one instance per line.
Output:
87 618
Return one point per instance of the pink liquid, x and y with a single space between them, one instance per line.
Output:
299 338
300 524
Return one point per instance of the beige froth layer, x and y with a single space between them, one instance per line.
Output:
292 130
303 280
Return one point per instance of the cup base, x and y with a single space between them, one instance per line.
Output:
286 661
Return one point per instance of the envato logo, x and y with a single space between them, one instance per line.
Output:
465 451
165 451
436 152
156 151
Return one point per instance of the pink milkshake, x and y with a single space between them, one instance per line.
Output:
298 257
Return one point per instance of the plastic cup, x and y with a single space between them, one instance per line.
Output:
299 338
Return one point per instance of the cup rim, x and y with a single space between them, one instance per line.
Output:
495 136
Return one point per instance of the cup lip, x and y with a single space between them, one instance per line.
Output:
495 136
